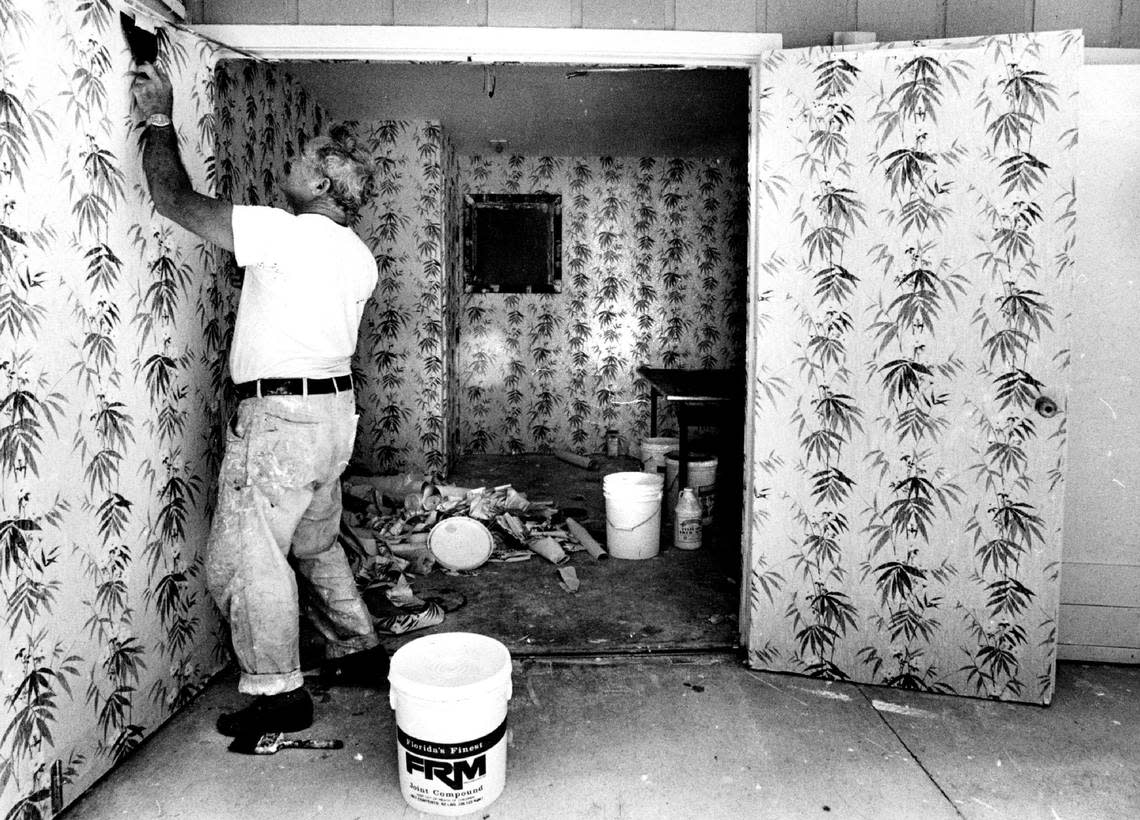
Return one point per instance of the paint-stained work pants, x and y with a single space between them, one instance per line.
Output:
279 498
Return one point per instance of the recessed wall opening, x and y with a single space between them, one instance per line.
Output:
485 388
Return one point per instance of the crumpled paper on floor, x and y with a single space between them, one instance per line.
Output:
430 615
568 579
388 519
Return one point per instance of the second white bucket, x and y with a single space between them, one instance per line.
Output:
633 514
450 692
654 450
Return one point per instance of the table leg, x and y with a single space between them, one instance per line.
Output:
652 412
683 450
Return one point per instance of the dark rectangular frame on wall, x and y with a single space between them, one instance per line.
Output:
512 243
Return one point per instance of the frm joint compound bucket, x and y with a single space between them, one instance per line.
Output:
633 514
450 693
702 478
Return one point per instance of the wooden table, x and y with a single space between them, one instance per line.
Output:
699 397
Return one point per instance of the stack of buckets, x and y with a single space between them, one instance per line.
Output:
702 478
662 455
450 693
654 450
634 500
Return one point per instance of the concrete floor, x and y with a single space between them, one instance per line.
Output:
679 737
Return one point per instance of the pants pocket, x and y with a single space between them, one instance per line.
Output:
283 449
346 444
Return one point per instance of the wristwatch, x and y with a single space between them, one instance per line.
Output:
159 121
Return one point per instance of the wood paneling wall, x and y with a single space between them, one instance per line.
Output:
1107 23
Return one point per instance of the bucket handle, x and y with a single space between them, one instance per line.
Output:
635 526
645 462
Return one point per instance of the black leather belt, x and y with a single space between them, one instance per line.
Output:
299 386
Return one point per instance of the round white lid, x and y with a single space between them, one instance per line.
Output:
460 543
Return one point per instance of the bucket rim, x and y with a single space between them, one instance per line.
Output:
404 684
693 458
632 477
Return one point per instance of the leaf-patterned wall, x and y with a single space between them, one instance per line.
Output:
653 273
402 354
653 261
113 332
917 219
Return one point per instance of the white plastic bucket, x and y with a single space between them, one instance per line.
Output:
450 693
653 452
702 478
633 514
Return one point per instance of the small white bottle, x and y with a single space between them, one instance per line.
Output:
613 443
687 521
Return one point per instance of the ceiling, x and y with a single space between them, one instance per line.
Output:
539 109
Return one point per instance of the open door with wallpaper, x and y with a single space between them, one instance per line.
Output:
113 336
916 215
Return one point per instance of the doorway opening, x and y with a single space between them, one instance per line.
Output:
484 388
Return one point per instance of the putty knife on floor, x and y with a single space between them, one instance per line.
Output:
270 742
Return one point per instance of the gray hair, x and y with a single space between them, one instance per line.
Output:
347 163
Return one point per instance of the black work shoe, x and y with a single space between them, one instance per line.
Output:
286 712
369 667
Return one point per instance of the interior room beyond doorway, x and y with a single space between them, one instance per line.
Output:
650 165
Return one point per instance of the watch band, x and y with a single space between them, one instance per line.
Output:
159 121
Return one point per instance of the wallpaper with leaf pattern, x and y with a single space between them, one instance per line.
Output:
114 326
402 354
653 272
917 219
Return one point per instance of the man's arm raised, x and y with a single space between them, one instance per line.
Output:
170 188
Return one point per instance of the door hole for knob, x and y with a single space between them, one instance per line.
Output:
1045 407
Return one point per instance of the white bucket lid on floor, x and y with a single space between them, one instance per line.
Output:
460 543
450 666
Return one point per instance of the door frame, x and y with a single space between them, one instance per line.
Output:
486 45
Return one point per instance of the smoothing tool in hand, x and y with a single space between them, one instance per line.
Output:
270 742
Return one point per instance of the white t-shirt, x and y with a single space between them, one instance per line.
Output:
306 282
